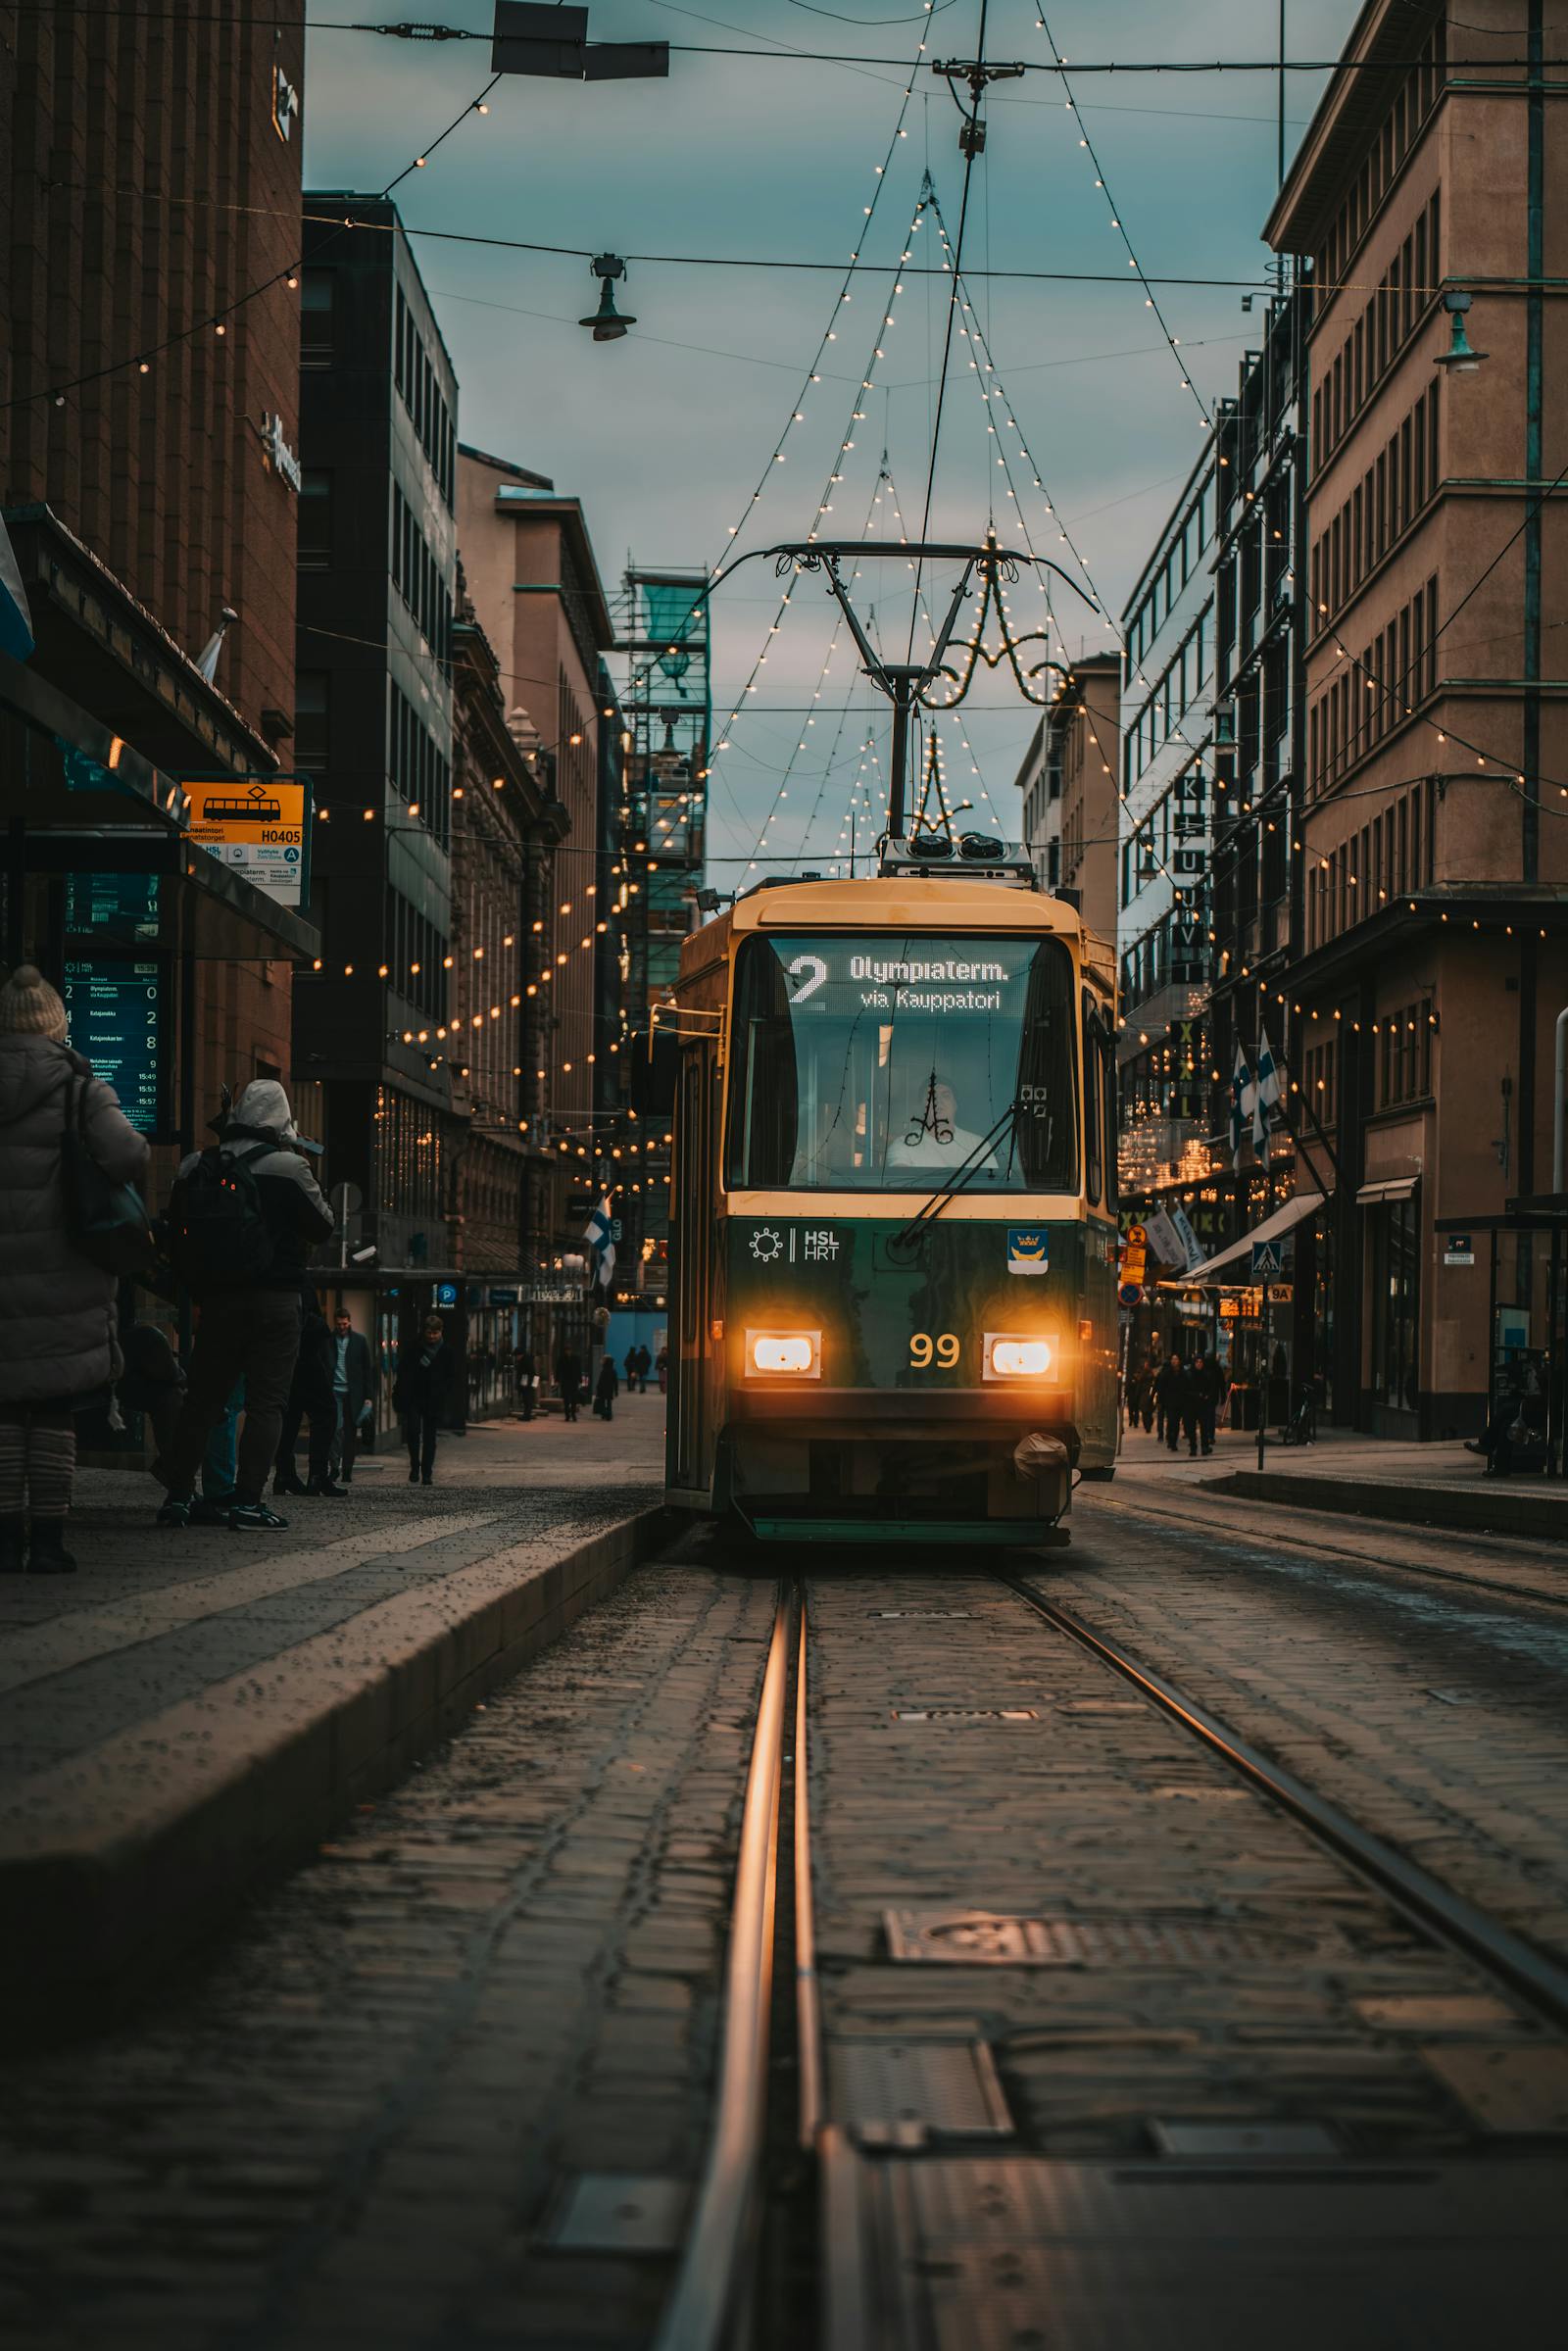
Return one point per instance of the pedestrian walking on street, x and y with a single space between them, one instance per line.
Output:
528 1381
662 1369
353 1386
569 1375
243 1218
309 1398
645 1364
59 1336
606 1391
1205 1384
1175 1399
424 1385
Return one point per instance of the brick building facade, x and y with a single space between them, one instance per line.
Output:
1435 902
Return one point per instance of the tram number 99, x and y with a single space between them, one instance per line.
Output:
924 1351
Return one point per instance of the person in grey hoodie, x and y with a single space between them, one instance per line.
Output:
246 1275
59 1338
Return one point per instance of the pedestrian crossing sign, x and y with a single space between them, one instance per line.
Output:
1268 1260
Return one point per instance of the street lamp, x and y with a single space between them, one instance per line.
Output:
1460 359
609 324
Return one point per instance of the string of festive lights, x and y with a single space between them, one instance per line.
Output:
825 506
216 323
1151 300
782 792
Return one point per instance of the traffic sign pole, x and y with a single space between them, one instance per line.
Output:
1262 1385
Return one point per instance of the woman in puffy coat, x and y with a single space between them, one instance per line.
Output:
58 1347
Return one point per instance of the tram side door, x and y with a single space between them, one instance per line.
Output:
696 1238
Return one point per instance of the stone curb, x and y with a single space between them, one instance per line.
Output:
1490 1511
114 1865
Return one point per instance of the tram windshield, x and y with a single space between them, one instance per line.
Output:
890 1063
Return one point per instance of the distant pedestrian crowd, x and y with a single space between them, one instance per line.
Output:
266 1364
1176 1398
242 1221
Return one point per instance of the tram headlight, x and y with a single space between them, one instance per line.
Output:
1010 1357
784 1354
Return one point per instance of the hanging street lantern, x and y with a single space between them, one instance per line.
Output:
1460 357
609 324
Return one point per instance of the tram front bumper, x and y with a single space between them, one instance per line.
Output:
958 1462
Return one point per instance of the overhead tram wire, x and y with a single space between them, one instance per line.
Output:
1128 68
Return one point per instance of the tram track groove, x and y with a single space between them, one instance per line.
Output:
721 2295
725 2210
1530 1974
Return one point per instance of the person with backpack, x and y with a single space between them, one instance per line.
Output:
424 1385
606 1389
568 1378
243 1217
59 1337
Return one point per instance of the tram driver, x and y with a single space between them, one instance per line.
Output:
935 1140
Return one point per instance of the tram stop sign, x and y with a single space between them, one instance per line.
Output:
1268 1260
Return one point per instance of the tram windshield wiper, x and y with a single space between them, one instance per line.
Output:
964 1173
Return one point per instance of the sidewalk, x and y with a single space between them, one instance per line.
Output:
193 1710
1369 1477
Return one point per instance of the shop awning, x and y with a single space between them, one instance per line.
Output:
1392 1187
1234 1264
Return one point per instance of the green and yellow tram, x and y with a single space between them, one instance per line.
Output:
894 1303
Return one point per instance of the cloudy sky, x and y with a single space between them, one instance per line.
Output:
764 157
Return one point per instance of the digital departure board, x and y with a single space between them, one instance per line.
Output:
112 905
116 1012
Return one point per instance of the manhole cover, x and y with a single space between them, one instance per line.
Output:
966 1714
988 1939
948 2088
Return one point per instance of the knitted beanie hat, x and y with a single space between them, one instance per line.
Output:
28 1004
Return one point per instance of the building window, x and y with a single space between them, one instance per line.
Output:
313 719
317 317
316 519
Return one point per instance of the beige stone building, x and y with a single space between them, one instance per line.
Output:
1434 830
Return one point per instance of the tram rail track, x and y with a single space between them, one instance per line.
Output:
710 2307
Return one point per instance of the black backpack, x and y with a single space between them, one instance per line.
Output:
219 1234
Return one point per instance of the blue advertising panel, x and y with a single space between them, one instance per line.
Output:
118 1021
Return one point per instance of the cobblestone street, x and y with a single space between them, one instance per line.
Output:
355 2118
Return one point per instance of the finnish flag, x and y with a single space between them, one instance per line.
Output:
598 1236
1243 1102
1267 1094
16 621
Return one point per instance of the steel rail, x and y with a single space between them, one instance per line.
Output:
808 1990
1535 1979
696 2316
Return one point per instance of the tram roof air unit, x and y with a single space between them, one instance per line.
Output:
975 855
